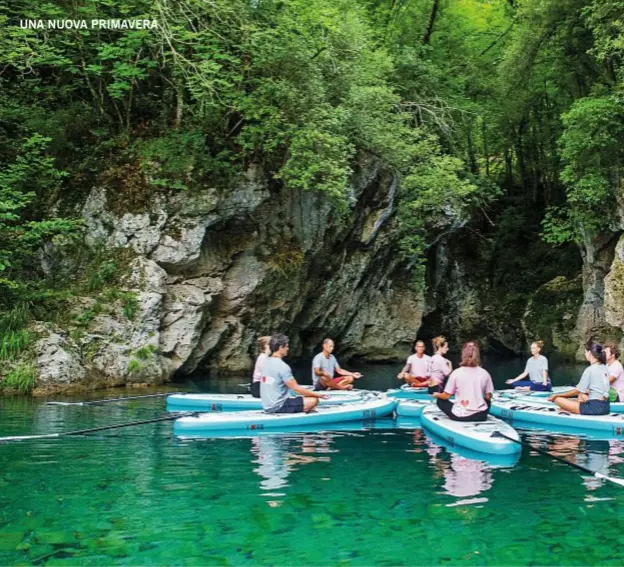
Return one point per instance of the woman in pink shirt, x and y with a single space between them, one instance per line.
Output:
615 370
472 386
440 367
265 352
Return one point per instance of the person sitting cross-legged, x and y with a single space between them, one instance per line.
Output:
278 380
326 372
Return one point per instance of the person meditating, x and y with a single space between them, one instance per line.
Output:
536 369
326 372
278 380
616 372
265 352
417 370
472 387
440 367
592 392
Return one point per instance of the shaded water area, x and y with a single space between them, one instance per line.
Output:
383 496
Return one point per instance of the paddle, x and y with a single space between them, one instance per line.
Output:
561 460
106 400
93 429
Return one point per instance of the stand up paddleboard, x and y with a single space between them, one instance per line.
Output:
616 407
411 408
550 414
238 402
260 420
477 436
406 392
515 393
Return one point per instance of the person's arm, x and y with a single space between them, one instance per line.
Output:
489 387
257 375
448 391
519 377
612 379
322 373
403 372
574 393
305 392
343 372
441 395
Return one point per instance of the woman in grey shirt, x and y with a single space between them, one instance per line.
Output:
592 392
537 371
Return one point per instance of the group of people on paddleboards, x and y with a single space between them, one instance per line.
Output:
470 384
273 378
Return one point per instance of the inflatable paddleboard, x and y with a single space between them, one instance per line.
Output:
513 393
550 414
381 424
260 420
411 408
238 402
616 407
478 436
406 392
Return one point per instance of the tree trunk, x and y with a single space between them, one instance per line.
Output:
432 19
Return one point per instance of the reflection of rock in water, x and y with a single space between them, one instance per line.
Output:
594 455
272 465
466 477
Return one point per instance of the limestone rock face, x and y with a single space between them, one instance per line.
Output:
214 269
551 316
599 259
57 360
614 289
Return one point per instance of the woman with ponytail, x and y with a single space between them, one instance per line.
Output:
472 387
440 367
592 392
536 370
264 353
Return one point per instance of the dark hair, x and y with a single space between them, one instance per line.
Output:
614 348
597 351
470 355
439 342
277 341
263 342
540 345
416 344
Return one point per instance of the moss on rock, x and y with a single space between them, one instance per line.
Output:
551 315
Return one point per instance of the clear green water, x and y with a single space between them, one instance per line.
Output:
139 496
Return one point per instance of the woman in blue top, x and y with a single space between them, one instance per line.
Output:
537 371
593 389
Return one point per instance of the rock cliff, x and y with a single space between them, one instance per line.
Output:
213 270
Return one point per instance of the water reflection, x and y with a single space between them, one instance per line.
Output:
278 456
593 454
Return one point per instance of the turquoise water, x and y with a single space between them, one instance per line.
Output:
383 496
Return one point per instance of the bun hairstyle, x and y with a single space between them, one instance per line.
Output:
597 351
470 356
438 343
540 345
263 342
